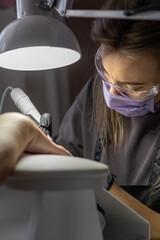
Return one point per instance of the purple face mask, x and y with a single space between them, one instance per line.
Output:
127 106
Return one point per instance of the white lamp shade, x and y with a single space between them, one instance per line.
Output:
37 42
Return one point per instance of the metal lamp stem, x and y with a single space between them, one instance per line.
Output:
27 7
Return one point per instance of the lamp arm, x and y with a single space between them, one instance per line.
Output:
114 14
148 7
148 12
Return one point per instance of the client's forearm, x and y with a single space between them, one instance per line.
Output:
150 215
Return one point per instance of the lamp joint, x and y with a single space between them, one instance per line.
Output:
46 5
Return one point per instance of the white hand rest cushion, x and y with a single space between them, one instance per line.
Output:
57 172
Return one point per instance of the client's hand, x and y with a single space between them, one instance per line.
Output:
20 134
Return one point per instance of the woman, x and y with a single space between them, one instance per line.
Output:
116 117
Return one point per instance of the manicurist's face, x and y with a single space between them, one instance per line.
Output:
138 73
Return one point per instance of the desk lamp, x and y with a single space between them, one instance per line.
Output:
37 41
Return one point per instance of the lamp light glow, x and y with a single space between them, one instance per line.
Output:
38 58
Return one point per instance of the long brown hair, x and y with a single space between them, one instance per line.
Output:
131 38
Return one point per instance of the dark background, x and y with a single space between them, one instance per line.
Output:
84 69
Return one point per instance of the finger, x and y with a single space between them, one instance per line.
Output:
59 150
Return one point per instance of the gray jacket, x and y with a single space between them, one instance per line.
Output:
133 163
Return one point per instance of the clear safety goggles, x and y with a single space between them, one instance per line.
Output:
125 91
